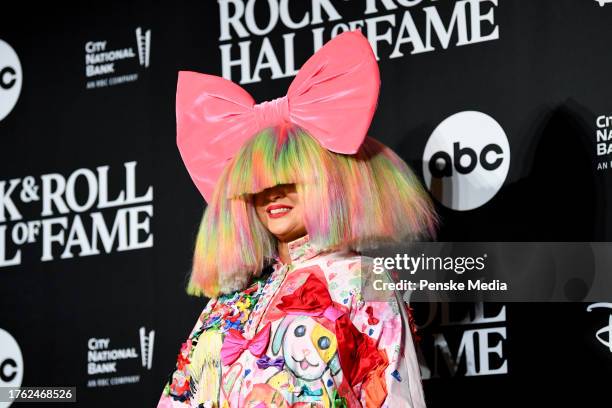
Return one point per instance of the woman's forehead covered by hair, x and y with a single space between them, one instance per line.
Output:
274 156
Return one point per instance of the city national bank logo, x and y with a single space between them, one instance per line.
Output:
466 160
11 363
604 335
107 65
143 42
108 365
603 142
86 213
146 347
10 79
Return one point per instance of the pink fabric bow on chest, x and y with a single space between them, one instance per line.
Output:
234 344
333 97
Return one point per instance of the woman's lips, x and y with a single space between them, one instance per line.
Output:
278 210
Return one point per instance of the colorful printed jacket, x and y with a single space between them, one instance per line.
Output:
302 336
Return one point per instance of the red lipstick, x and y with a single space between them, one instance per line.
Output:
278 210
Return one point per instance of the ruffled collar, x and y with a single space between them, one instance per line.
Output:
302 249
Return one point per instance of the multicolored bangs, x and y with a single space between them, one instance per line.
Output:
357 201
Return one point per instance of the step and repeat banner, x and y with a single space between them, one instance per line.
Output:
502 107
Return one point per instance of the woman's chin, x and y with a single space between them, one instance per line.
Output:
282 234
285 233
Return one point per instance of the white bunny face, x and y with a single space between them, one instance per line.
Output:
308 348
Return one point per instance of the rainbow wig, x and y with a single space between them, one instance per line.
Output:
350 201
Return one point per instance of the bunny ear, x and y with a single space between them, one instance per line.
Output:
333 97
279 335
335 93
213 120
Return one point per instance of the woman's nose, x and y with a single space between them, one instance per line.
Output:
276 193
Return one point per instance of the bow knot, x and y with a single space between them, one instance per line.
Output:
307 392
272 112
234 344
266 362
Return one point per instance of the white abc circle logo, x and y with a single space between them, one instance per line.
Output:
466 160
11 363
10 79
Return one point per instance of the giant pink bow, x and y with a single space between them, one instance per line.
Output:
333 97
234 344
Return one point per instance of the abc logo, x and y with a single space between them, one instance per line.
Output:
10 79
466 160
11 363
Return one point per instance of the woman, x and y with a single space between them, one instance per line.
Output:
295 189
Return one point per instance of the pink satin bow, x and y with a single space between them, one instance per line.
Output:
234 344
333 97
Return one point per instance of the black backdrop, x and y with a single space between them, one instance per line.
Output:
544 78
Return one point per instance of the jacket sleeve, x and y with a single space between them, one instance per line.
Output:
387 323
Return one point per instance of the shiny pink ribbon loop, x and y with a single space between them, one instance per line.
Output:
333 97
331 313
234 344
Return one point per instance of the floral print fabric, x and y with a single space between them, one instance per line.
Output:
247 350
